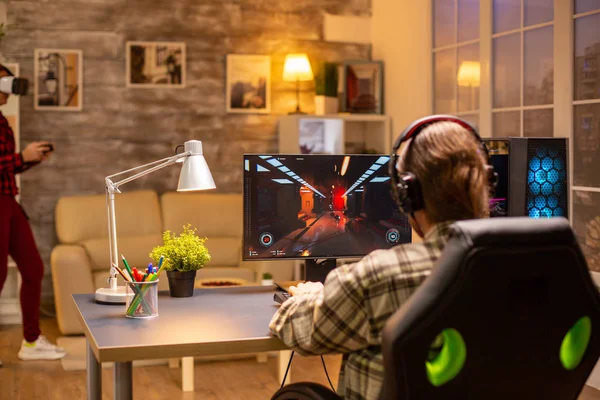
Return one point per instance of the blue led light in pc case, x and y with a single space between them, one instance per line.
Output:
547 179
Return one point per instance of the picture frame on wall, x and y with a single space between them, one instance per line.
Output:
152 65
248 84
58 75
362 87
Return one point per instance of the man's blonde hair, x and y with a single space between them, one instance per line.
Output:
451 167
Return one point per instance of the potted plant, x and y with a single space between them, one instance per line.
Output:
326 87
267 279
183 255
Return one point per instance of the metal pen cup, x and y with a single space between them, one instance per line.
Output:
142 299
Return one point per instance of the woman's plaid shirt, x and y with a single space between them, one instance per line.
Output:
349 314
11 163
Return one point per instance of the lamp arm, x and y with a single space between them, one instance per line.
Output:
111 189
114 186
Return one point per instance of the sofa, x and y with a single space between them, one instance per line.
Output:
80 262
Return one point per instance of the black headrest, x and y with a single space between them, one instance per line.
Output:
514 230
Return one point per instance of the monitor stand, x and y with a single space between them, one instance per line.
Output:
316 271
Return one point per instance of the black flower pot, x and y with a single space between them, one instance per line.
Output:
181 284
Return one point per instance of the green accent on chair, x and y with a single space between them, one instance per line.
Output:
575 343
444 365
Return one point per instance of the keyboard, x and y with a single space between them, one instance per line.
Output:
280 297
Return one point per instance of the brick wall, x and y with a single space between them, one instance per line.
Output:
120 128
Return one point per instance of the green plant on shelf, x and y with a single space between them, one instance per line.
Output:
326 79
267 276
184 252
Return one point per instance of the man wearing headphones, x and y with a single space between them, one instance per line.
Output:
440 174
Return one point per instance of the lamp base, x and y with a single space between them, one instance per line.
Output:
110 296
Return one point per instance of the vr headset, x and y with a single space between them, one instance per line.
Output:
14 85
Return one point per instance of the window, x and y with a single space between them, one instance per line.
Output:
456 58
586 129
523 68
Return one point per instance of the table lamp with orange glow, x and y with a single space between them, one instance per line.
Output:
296 68
469 75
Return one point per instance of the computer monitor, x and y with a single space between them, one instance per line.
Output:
319 206
499 158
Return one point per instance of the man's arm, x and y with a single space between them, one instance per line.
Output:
333 320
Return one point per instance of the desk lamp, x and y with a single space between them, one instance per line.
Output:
296 68
195 175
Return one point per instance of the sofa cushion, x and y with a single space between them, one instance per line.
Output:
224 251
80 218
135 249
213 214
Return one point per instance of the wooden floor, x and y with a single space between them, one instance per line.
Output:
217 380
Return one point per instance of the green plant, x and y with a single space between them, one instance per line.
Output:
183 253
267 275
326 79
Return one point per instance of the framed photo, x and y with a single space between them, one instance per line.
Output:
248 84
155 65
58 80
363 87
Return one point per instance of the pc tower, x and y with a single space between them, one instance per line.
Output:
538 177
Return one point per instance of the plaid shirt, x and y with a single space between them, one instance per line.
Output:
11 163
349 314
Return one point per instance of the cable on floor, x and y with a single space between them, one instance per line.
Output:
287 370
325 368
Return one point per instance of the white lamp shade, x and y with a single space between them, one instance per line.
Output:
469 74
195 174
297 68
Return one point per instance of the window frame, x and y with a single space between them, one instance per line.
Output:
574 102
456 47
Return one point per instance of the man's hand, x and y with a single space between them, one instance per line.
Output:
35 152
306 288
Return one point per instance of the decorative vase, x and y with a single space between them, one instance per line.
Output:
181 284
267 282
326 105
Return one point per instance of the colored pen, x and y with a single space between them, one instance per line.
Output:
149 270
160 261
127 265
120 271
158 273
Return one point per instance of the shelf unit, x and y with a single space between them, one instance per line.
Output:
335 133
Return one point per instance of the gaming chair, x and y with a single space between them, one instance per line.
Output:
509 312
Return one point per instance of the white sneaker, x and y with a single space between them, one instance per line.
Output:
41 349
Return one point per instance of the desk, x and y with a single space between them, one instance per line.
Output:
213 322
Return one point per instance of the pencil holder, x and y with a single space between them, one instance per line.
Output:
142 299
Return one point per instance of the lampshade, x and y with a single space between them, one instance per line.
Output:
468 74
195 174
297 68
